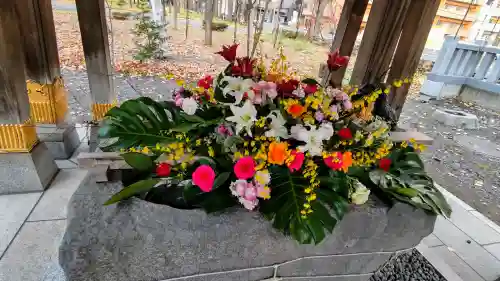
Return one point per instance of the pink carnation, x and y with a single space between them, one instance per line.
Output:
244 168
204 177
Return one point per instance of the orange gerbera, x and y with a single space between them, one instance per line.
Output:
296 110
278 152
346 161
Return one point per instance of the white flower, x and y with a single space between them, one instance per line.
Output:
189 106
360 194
238 87
244 117
313 137
277 126
299 92
262 177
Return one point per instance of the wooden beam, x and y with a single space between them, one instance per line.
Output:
14 105
39 40
94 32
379 40
346 33
416 28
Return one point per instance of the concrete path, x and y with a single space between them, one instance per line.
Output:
464 247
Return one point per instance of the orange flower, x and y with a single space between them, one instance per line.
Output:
296 110
278 152
346 161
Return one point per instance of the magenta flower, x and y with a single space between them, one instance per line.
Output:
244 168
204 177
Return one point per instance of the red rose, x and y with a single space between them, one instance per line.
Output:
310 88
236 70
335 61
385 164
246 66
206 82
287 87
163 170
345 133
229 52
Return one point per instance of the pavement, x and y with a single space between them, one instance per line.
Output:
464 247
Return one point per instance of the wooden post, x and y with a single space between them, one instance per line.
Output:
17 133
48 101
379 40
416 28
94 31
347 32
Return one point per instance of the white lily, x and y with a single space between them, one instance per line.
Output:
313 137
277 126
244 117
238 87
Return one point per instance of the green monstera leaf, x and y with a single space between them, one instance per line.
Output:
136 122
286 202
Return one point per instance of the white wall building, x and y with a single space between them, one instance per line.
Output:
487 24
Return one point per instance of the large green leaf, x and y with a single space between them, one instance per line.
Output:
221 179
138 161
138 122
286 203
133 189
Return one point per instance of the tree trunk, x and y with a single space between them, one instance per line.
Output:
215 8
187 18
260 28
277 24
176 13
209 14
236 19
250 14
301 10
230 9
130 3
317 18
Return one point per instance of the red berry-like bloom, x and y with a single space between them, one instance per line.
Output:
163 170
385 164
345 134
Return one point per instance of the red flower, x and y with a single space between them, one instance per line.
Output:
334 162
163 170
287 87
235 70
345 133
204 177
310 88
206 82
335 61
385 164
245 168
298 160
244 68
229 52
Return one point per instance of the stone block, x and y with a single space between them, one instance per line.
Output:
138 240
61 140
26 172
54 202
33 256
14 209
456 118
326 265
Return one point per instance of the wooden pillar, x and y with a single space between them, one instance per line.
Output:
416 28
48 101
17 133
379 40
93 28
347 32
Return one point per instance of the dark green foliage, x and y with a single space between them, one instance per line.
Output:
286 203
148 35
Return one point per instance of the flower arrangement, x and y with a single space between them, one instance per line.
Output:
300 153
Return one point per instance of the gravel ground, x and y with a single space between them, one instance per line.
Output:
409 266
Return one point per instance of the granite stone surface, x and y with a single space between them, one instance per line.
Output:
62 141
141 241
26 172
